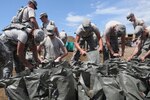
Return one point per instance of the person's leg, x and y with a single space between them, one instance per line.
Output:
91 43
6 59
19 67
105 53
76 54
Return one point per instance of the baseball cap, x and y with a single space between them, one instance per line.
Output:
43 14
138 31
50 30
129 16
120 30
34 3
86 22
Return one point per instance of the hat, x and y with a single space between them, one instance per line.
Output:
138 31
34 3
86 22
120 29
43 14
38 35
50 29
129 16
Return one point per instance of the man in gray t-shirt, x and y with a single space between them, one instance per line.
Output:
54 48
114 30
85 33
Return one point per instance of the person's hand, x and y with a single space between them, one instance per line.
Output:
129 58
142 59
116 55
83 53
58 59
121 54
100 49
41 58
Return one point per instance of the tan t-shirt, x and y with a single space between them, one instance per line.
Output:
83 33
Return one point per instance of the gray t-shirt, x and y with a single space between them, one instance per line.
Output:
16 35
52 47
109 28
28 13
109 32
82 33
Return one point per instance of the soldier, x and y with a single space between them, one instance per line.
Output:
14 43
114 30
85 33
53 46
28 16
21 34
135 21
142 43
46 21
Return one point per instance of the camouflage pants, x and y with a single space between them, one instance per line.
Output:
145 48
6 65
9 58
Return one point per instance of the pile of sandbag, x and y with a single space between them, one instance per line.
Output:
113 80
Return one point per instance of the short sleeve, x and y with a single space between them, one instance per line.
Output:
22 37
31 12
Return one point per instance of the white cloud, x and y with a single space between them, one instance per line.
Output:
74 18
106 10
72 24
110 10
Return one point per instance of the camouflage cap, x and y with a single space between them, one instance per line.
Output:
34 3
50 29
43 14
86 22
120 30
38 35
129 16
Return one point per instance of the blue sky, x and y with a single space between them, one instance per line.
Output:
68 14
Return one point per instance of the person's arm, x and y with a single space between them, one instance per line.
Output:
136 50
100 42
33 20
65 53
21 55
39 51
146 55
122 45
78 46
107 38
35 54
